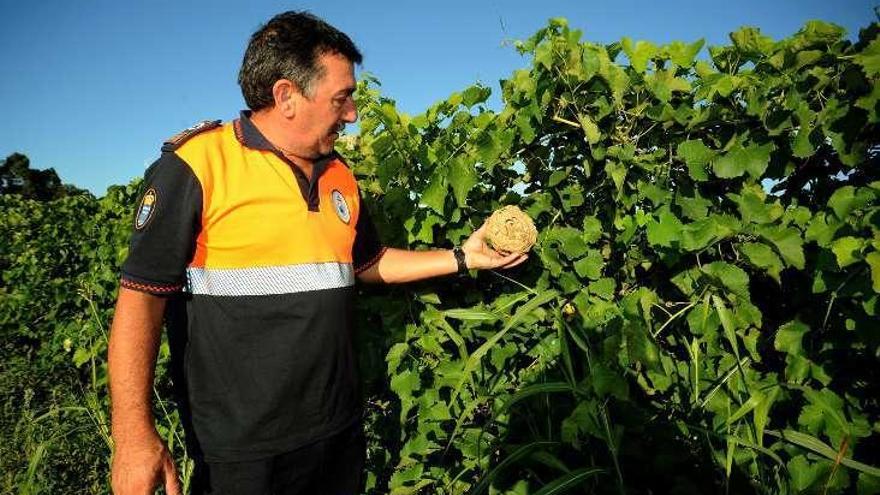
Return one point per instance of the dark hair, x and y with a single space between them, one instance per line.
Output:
288 47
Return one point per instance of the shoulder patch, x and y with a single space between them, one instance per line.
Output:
181 137
146 209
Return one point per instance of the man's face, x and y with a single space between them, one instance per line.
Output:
320 118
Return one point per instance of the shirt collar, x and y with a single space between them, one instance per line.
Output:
248 135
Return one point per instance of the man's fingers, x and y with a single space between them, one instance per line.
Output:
495 255
511 260
171 485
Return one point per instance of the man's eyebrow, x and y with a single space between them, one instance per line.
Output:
346 91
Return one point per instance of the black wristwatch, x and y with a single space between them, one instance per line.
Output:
459 259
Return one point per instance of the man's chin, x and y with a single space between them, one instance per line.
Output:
329 144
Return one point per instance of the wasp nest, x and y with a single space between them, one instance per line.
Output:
511 229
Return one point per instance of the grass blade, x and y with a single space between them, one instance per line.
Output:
568 481
470 314
475 358
812 443
538 388
727 324
516 455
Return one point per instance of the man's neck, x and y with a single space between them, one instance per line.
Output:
275 134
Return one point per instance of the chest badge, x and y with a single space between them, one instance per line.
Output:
340 206
146 209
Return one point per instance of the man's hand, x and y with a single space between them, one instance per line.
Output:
479 256
140 459
140 466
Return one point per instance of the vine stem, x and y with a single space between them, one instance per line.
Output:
505 277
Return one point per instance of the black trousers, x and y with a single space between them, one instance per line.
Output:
333 466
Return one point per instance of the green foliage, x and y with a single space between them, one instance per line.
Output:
699 314
700 311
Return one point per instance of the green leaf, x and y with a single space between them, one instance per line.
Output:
592 229
591 130
434 196
81 356
869 58
590 266
750 41
617 172
571 241
867 484
608 382
789 336
703 233
803 473
761 256
663 83
683 54
695 155
475 94
572 197
822 228
582 420
731 277
556 177
848 198
830 406
802 147
463 178
753 207
666 231
740 160
604 288
788 242
847 250
873 260
695 208
524 123
639 53
404 384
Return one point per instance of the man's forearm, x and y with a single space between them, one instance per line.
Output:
399 266
134 343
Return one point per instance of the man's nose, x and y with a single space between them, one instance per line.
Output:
350 114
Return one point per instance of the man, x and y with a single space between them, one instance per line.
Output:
257 229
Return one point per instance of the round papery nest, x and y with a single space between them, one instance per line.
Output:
511 229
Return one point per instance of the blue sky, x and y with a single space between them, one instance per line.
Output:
92 88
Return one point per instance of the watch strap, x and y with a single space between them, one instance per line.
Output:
459 260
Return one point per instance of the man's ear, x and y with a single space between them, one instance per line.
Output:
285 93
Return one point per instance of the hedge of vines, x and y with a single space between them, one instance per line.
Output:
700 314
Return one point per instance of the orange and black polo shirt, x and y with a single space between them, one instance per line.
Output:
262 260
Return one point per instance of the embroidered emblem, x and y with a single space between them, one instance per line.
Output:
146 209
341 206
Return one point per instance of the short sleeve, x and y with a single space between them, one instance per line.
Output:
367 249
166 223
